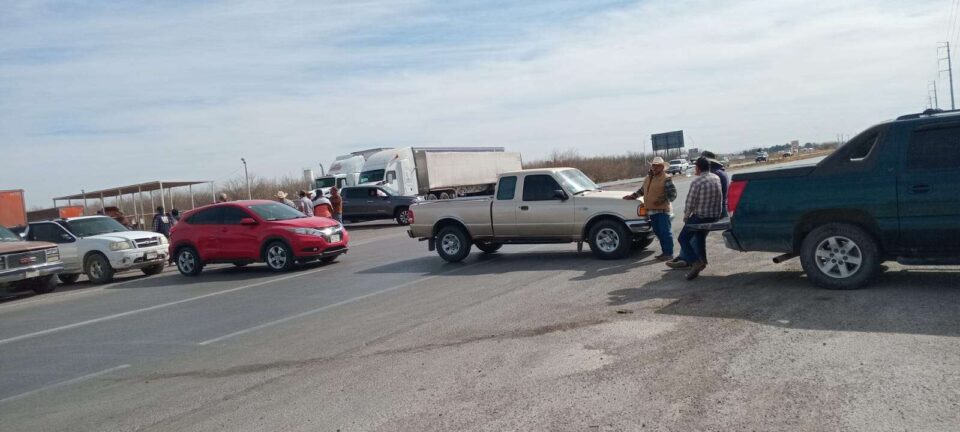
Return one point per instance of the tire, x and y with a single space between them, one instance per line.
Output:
98 269
445 196
840 256
643 243
453 244
329 259
152 270
68 279
488 247
402 215
188 262
44 285
430 197
278 256
610 240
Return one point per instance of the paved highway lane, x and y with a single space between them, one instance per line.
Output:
533 338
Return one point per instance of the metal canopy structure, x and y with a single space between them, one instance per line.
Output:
136 192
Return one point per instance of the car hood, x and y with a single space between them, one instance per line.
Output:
606 196
124 235
307 222
23 246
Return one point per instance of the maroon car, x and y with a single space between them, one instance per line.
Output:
28 265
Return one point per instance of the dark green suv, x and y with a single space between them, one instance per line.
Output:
890 193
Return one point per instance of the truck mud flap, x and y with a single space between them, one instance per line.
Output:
431 245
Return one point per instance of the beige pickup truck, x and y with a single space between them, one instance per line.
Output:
558 205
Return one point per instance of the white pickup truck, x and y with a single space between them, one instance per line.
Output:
558 205
99 247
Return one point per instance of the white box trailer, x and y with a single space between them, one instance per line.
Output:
459 174
440 172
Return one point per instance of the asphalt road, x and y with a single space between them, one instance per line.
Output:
533 338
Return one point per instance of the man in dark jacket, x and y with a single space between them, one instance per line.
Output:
162 222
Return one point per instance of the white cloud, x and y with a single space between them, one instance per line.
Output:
287 85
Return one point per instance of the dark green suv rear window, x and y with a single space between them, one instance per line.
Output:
934 149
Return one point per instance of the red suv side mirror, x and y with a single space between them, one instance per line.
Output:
248 221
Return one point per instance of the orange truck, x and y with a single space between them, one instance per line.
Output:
13 208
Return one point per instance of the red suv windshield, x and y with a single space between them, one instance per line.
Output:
275 211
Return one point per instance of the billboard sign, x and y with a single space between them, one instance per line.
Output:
667 140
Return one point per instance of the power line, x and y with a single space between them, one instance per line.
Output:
952 16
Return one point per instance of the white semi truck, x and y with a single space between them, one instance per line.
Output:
439 172
344 171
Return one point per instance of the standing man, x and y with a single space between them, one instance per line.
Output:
717 168
658 192
282 198
703 206
161 222
305 204
336 202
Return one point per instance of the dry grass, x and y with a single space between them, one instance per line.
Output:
599 168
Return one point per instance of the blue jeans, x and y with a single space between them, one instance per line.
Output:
693 243
660 222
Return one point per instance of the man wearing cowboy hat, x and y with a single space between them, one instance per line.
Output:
658 191
282 198
716 167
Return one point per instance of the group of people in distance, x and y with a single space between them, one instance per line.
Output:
706 202
316 204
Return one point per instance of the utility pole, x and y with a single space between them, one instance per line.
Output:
246 176
949 70
936 101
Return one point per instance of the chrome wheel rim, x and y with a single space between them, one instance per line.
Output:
186 262
277 257
608 240
450 244
404 217
838 257
96 269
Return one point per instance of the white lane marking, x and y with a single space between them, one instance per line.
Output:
331 306
64 383
50 298
154 307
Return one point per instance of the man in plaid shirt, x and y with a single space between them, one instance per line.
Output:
704 205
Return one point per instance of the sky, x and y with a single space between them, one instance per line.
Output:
97 94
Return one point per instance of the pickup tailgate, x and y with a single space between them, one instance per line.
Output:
472 212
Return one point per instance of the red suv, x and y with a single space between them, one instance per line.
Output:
242 232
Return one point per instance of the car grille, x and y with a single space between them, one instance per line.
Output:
147 242
25 259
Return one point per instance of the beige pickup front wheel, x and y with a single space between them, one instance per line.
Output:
610 240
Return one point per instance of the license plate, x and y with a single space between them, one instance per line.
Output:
335 238
151 255
33 274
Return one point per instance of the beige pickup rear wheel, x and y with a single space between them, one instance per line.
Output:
453 244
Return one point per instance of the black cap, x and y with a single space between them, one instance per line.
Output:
710 157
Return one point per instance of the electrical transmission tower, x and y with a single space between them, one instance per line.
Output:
948 70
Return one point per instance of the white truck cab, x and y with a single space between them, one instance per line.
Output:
99 247
345 171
